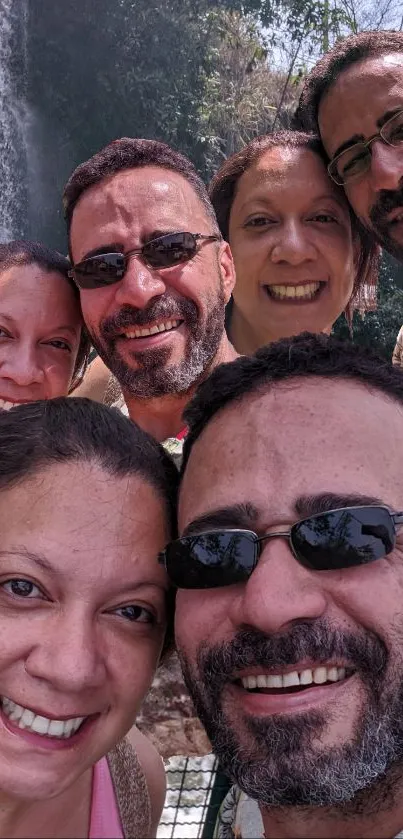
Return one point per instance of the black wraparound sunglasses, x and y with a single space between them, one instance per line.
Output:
342 538
163 252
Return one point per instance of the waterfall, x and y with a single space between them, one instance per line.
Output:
13 119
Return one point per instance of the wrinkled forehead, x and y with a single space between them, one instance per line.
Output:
304 437
142 201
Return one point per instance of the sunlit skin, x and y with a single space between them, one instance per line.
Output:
289 225
70 648
323 436
124 212
354 109
40 330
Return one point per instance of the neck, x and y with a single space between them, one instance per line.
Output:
66 815
377 813
162 416
247 338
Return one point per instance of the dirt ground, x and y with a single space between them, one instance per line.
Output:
168 717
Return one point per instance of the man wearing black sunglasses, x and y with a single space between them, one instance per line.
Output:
289 568
354 98
154 275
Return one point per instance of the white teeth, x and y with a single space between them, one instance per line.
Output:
320 675
26 719
303 291
40 724
333 674
5 405
166 326
274 681
290 680
316 676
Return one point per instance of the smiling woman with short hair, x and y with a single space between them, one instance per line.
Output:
87 502
301 259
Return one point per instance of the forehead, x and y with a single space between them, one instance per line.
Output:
302 438
361 95
50 513
28 288
280 169
135 202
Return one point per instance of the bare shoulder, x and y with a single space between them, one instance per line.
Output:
153 768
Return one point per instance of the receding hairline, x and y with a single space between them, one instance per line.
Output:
353 65
124 173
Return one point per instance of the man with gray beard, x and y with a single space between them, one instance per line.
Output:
289 568
154 275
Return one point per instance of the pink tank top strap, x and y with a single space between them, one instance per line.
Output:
105 820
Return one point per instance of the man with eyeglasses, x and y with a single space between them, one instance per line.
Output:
354 98
154 276
289 568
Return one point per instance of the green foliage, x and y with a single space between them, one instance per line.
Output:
379 329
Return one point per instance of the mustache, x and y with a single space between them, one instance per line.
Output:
386 202
169 308
319 642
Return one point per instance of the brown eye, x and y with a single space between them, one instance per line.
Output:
136 614
21 588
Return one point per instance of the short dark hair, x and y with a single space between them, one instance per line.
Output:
22 252
291 358
131 153
223 189
35 435
333 63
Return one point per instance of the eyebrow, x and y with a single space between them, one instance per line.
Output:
117 247
312 505
113 247
360 138
245 516
37 559
237 515
66 327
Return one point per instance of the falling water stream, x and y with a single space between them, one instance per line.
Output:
13 118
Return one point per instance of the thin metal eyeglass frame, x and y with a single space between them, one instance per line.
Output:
366 145
397 519
140 252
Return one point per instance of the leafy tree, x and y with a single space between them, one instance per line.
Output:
378 329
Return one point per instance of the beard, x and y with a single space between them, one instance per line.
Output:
278 760
386 202
152 375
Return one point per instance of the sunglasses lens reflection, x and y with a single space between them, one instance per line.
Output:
343 538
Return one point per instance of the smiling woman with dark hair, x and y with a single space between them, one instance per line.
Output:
301 258
87 502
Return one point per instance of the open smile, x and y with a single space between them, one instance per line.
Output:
290 690
157 328
47 727
298 293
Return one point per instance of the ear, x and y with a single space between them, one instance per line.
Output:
227 269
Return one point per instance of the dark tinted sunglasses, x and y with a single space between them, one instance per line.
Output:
329 541
164 252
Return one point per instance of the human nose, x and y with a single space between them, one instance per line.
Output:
279 592
386 171
292 244
68 655
140 284
22 364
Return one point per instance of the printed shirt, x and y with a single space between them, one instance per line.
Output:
239 817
